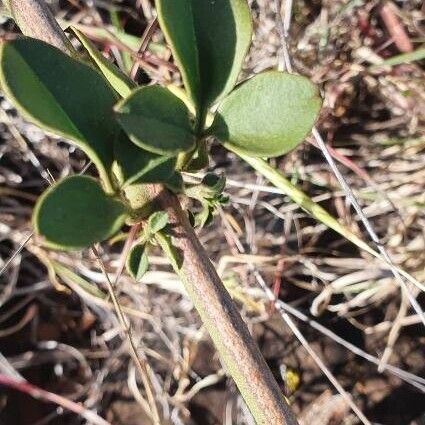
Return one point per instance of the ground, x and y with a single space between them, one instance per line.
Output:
62 338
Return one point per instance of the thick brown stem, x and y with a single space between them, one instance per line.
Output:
228 331
230 334
36 20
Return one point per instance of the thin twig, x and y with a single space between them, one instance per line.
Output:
141 362
325 369
394 332
312 353
16 253
368 226
147 35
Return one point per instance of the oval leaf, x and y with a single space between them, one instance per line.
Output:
268 115
137 263
62 95
223 35
209 41
176 21
156 120
157 221
75 213
136 165
122 84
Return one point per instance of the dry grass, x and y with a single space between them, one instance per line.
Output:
58 328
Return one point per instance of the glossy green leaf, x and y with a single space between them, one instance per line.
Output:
157 221
209 41
136 165
137 263
176 20
75 213
268 115
122 84
156 120
223 35
62 95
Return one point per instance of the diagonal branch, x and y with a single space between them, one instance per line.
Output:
36 20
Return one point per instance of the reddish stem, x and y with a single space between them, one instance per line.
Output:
48 397
395 27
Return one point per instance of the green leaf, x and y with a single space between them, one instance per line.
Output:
76 282
183 96
204 217
114 35
157 221
62 95
170 251
209 40
209 189
175 183
136 165
122 84
199 160
216 183
268 115
75 213
176 20
223 34
137 263
156 120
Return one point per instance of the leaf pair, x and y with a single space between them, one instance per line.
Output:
153 117
209 40
210 194
73 100
266 116
137 260
139 141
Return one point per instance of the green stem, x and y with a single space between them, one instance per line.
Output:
314 209
300 198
